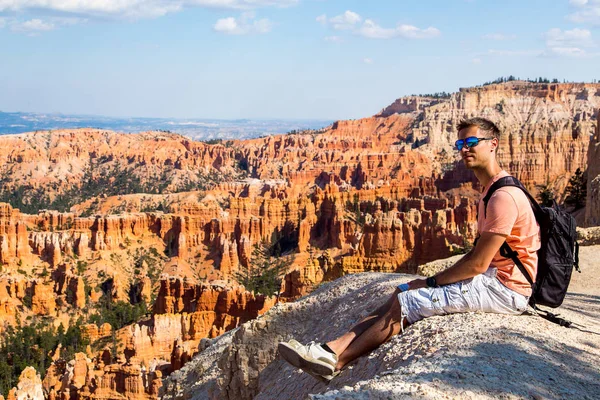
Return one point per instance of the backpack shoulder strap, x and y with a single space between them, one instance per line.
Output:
502 182
551 317
511 181
506 251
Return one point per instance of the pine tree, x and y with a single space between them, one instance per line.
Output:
353 212
265 270
577 190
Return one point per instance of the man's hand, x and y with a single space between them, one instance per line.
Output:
476 262
417 284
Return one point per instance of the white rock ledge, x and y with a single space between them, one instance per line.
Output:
466 356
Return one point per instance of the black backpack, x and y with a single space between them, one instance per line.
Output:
558 254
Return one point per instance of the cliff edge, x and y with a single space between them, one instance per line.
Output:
459 356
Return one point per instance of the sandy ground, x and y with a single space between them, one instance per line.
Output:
473 356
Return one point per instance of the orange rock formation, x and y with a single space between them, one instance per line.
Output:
184 314
593 178
384 193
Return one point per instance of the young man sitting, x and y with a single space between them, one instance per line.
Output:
482 280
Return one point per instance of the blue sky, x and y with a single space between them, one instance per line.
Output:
325 59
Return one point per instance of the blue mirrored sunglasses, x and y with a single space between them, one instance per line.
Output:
469 142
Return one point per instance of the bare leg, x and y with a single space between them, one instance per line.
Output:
340 344
381 329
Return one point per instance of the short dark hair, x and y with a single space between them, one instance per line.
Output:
485 125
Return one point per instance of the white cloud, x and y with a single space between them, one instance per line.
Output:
476 61
412 32
371 30
367 61
498 36
575 37
226 25
262 26
588 11
32 27
351 21
67 21
565 52
244 25
134 9
35 26
345 21
512 53
334 39
559 43
103 8
569 43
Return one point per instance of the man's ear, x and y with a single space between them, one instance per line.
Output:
494 144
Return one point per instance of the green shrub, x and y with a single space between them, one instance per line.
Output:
81 266
546 195
214 141
118 314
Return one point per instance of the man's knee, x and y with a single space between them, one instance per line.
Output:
395 310
390 302
390 307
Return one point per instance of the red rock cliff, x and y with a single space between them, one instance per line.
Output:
593 178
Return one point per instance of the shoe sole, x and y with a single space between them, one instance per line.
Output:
325 379
317 367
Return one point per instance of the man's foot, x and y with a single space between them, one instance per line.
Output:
311 358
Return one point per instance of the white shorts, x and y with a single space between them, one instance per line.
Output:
483 292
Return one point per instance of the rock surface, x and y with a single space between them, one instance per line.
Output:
468 355
29 386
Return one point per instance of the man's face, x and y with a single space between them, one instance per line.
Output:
480 155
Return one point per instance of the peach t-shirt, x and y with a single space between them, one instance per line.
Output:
509 213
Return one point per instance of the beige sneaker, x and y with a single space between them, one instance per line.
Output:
311 358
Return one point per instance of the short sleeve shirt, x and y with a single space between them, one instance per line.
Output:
509 213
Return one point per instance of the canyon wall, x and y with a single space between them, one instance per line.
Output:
545 127
385 193
301 182
592 209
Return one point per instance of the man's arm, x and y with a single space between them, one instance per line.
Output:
475 262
